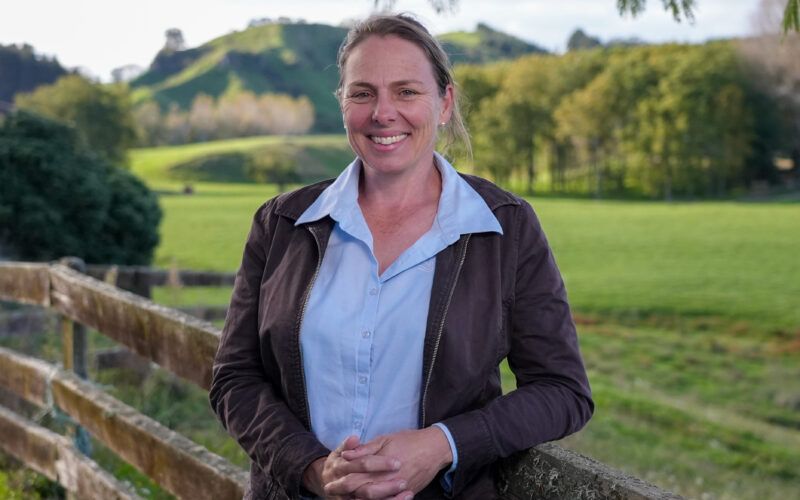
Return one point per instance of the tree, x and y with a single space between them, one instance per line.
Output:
174 40
101 114
775 63
58 199
680 9
277 168
579 40
23 70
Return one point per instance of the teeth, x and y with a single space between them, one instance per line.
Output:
388 140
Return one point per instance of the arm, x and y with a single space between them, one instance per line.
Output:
552 398
247 402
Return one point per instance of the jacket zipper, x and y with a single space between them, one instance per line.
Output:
306 296
461 260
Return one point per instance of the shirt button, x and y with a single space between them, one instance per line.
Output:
373 291
357 424
362 379
365 334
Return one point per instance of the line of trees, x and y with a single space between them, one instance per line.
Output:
660 121
239 114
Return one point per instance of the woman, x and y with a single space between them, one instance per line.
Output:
360 354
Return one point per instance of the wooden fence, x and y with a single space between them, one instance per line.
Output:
185 346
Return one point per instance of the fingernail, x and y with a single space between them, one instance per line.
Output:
408 497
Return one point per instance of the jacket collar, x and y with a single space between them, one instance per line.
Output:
466 204
293 204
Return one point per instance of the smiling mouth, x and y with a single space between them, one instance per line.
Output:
388 140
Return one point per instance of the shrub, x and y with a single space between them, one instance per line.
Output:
57 198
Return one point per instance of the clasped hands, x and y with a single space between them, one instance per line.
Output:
394 467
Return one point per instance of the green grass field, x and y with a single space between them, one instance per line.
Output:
688 315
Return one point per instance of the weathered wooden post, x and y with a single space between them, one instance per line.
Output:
75 353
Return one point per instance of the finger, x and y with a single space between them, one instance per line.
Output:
347 485
404 495
369 463
369 448
379 490
349 443
366 486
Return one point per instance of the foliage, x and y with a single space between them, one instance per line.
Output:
237 114
19 483
101 114
57 199
579 40
678 8
791 16
278 168
23 70
772 62
656 121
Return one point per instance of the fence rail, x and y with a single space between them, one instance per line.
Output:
54 456
186 346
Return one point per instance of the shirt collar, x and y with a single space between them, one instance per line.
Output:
461 209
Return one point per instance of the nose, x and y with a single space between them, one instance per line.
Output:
384 111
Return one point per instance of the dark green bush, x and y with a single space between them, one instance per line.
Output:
58 199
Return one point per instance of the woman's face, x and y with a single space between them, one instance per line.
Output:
391 105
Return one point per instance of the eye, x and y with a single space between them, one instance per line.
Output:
360 95
408 92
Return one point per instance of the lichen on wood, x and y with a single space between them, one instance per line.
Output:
27 283
54 456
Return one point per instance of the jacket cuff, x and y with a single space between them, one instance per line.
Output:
447 477
297 453
474 447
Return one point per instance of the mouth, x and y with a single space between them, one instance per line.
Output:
387 141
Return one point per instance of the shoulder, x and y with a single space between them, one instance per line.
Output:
513 212
492 194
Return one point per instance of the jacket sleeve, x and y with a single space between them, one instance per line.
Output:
553 398
249 404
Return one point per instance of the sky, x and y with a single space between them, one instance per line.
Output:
100 35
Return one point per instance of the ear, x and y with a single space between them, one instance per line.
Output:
448 101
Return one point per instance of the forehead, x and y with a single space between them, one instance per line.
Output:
388 58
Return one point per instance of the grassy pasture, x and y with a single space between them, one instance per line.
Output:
689 316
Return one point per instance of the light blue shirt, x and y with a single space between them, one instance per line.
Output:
362 334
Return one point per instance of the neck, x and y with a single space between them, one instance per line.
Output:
395 192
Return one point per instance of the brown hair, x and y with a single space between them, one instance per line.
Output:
408 28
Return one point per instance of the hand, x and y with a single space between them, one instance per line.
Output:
338 478
421 453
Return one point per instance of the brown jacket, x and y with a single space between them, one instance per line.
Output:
494 296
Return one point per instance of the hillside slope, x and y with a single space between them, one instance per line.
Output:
289 58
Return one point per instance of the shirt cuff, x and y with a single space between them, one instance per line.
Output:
447 478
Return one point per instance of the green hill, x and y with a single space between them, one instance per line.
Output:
288 58
294 59
485 45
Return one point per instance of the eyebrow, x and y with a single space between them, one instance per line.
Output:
398 83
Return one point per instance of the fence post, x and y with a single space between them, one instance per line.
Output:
75 354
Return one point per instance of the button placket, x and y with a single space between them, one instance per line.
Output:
364 356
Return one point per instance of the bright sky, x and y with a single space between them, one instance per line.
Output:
99 35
